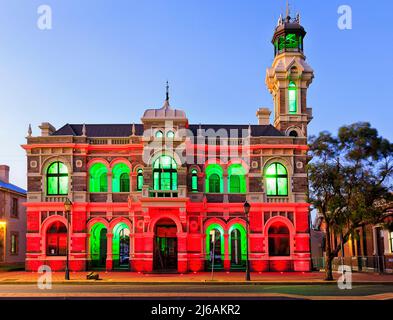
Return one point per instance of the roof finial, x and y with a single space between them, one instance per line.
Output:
287 13
84 131
29 131
167 91
133 129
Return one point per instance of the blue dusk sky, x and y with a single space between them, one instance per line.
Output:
107 61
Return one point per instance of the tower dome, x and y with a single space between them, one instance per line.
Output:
288 35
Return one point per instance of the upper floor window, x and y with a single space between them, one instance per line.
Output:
139 180
165 174
276 176
98 178
57 179
214 179
292 97
194 180
159 134
121 178
15 208
170 134
237 179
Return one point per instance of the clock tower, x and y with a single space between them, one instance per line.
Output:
289 77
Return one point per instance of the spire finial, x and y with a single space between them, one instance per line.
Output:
29 131
84 131
167 91
288 12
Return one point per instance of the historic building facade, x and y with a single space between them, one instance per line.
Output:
166 195
12 221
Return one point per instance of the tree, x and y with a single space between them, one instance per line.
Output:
350 182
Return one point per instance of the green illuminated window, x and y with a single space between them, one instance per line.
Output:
139 179
290 41
170 134
165 174
98 178
292 97
194 180
276 180
159 134
216 247
57 179
237 179
237 245
98 245
214 179
121 178
121 245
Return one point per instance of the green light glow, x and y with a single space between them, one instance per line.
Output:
237 243
220 243
194 180
121 242
121 178
276 180
139 179
292 97
98 178
98 244
165 174
170 134
237 179
290 41
214 179
57 179
159 134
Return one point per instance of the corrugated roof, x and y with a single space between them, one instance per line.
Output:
11 187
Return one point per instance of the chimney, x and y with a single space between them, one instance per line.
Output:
263 115
47 129
5 173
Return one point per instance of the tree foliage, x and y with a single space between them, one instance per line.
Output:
350 177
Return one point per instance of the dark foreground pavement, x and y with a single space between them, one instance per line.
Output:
206 291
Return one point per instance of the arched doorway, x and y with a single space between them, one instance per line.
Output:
279 243
165 246
121 246
98 246
56 239
237 246
215 246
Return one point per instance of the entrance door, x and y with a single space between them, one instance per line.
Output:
124 248
103 248
165 246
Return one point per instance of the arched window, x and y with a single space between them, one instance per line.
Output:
121 178
57 179
237 179
165 174
292 97
139 178
194 180
170 134
215 245
279 244
237 245
98 178
56 239
276 180
159 134
214 179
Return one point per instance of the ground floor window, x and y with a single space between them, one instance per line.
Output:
56 239
279 244
14 243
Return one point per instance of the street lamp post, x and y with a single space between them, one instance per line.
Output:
247 207
67 209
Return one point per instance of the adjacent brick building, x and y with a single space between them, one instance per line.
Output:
168 195
12 221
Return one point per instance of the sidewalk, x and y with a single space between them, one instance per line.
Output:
220 278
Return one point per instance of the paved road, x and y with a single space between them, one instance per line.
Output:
196 291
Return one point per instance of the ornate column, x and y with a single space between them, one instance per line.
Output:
109 254
227 261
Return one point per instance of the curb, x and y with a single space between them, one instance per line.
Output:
201 283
